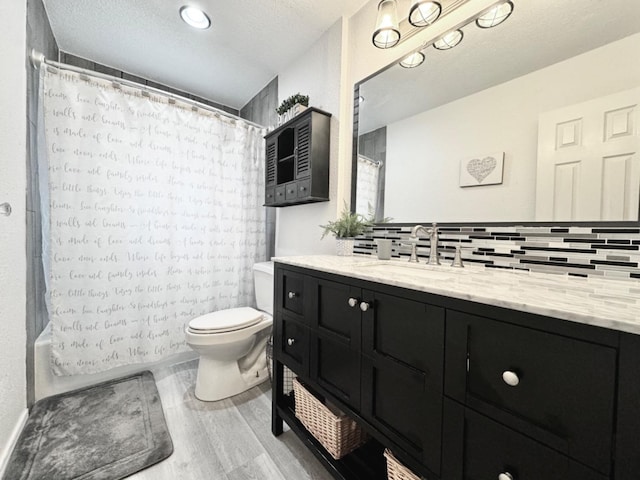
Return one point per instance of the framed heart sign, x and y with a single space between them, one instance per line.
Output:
482 170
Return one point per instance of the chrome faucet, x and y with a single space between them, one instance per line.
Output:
432 232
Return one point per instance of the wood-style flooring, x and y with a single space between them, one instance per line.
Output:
226 440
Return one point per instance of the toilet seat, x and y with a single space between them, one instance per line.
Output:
225 321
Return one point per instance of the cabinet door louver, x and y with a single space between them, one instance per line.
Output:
271 164
304 141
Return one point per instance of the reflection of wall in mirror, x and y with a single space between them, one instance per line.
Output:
424 151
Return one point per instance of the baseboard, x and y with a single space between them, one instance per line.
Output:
12 440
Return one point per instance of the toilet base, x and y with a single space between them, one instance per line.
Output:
219 379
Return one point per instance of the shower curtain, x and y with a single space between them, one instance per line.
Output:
367 186
153 216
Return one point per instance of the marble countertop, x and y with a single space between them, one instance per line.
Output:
606 303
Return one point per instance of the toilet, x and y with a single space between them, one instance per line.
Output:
232 343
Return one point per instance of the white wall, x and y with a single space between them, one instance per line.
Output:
424 151
317 74
327 73
12 229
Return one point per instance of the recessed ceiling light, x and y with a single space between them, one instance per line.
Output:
495 16
195 17
449 40
412 60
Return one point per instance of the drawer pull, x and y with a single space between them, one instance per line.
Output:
364 306
291 341
353 302
292 295
511 379
505 476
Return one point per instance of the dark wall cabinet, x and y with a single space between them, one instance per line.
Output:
458 390
297 160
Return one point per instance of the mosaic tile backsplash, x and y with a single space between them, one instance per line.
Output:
612 252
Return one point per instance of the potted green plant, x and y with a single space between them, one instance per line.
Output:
345 228
292 106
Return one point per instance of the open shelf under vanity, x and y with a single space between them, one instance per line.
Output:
366 462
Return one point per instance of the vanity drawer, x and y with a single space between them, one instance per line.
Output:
491 451
291 292
556 389
292 345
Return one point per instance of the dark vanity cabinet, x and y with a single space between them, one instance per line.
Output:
335 339
402 373
527 392
297 160
458 390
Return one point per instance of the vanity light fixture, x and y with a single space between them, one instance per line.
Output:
424 12
412 60
195 17
387 33
496 15
449 40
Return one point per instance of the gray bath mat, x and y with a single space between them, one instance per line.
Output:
105 432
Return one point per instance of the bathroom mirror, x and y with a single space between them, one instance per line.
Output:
515 124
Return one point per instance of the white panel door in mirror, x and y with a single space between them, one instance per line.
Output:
588 165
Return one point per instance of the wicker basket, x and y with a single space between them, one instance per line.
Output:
337 433
287 375
397 471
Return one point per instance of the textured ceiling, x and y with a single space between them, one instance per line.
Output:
250 41
538 33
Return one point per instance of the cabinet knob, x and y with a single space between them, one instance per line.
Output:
292 295
353 302
291 341
303 189
505 476
511 379
291 191
364 306
279 194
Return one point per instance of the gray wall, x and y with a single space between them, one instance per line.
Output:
40 38
261 109
80 62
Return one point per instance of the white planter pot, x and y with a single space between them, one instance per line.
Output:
292 112
344 246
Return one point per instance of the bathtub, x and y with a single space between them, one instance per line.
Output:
47 384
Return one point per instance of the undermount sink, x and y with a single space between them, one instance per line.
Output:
420 270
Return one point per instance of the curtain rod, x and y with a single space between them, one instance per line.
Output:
375 162
37 59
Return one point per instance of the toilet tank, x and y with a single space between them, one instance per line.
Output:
263 281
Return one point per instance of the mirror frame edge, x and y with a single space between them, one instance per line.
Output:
354 175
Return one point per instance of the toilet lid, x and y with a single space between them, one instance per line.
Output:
225 320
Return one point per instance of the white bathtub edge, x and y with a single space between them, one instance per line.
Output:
47 384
